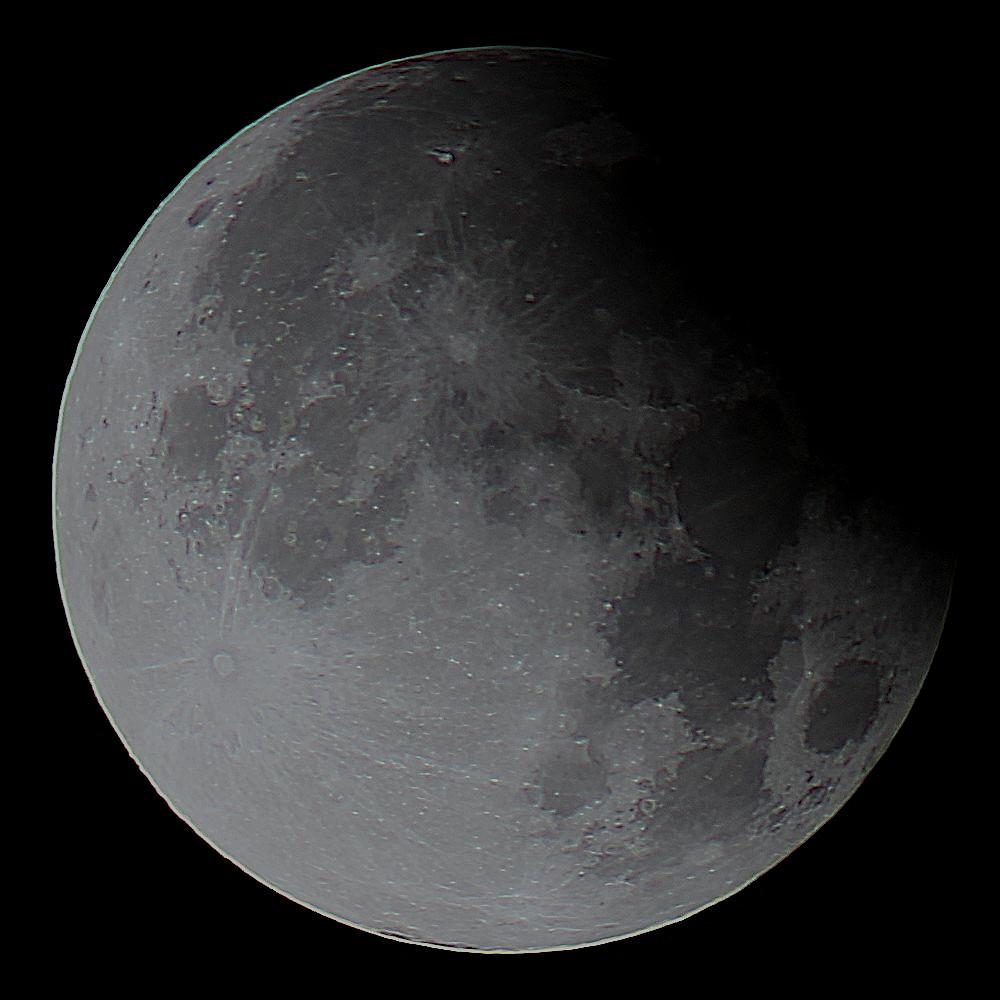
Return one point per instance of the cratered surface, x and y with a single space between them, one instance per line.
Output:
435 558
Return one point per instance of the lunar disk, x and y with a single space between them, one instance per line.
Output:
433 556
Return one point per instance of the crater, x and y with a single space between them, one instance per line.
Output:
224 664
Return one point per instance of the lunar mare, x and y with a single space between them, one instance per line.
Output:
432 555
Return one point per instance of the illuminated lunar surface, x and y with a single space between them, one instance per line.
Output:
433 558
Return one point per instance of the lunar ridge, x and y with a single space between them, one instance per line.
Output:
436 558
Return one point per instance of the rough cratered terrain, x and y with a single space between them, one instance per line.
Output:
435 558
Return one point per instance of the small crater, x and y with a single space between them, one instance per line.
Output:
462 347
201 213
224 664
496 436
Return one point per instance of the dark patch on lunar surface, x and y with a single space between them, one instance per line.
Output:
438 561
844 707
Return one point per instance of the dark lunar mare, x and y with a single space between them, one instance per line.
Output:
440 551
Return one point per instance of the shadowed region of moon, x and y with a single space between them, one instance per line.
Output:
436 557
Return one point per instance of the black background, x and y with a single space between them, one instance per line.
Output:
804 206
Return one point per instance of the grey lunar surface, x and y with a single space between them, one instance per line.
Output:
434 560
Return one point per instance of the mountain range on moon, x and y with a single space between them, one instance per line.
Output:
437 558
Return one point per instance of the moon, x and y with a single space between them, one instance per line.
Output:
437 557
